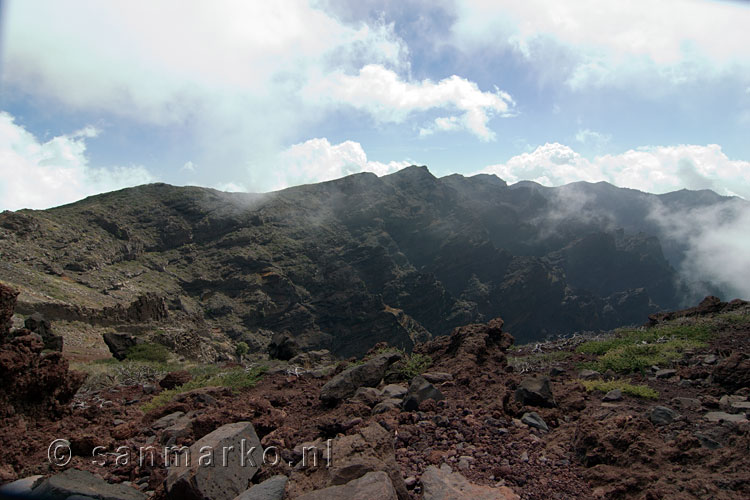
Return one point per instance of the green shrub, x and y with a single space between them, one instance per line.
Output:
235 379
148 352
415 364
632 350
639 391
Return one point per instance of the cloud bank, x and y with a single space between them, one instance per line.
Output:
718 246
655 169
36 174
604 42
318 160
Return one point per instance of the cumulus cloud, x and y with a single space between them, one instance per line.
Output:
36 174
318 160
163 62
656 169
382 93
609 42
228 75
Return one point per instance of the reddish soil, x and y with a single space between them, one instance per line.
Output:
593 449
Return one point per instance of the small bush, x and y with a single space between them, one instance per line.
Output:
415 364
235 379
639 391
148 352
632 350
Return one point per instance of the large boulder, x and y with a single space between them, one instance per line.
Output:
222 476
38 324
283 347
373 485
119 344
469 346
535 391
420 390
353 456
33 383
175 379
270 489
444 484
368 374
733 372
82 484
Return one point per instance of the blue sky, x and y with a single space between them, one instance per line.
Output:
258 96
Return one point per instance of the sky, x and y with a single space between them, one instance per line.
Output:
258 96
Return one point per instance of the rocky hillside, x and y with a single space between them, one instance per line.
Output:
647 413
344 264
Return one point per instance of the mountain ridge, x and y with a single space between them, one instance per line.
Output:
346 263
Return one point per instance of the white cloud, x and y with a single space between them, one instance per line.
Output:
593 138
35 174
318 160
718 246
656 169
189 166
227 75
382 93
162 62
612 42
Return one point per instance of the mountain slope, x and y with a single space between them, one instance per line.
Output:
347 263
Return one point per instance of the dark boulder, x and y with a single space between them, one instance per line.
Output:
82 484
368 374
39 324
283 347
7 307
733 372
175 379
420 390
119 344
535 391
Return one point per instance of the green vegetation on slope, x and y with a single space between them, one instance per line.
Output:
633 350
639 391
235 379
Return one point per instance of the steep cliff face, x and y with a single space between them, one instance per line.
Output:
347 263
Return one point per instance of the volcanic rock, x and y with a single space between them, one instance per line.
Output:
225 479
119 344
444 484
38 324
34 383
7 307
283 347
535 391
470 345
661 415
83 484
270 489
532 419
420 390
355 455
367 374
733 372
613 395
718 416
368 487
175 379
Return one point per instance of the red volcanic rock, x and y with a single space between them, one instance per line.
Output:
175 379
470 345
733 372
709 305
33 383
7 306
